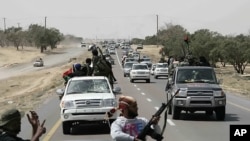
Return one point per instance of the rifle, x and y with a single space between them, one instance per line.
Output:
147 130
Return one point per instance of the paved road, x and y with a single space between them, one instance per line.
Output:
190 127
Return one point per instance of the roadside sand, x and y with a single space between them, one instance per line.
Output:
27 91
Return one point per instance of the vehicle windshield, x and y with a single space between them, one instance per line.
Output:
88 86
140 67
129 59
128 65
162 66
196 76
146 59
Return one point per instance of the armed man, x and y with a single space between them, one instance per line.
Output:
128 126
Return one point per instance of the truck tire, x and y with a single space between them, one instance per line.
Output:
220 113
209 112
176 112
66 125
131 80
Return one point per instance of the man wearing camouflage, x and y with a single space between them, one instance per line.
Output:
10 125
100 66
95 59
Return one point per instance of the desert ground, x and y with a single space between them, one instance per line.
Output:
27 91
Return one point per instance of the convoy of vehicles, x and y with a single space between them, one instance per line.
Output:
87 99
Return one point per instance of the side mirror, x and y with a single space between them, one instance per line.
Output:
117 90
170 80
60 92
220 81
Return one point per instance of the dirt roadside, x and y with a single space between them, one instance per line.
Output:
28 91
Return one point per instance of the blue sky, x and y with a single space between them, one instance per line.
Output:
127 18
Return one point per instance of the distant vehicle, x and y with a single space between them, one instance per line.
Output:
127 59
86 100
111 50
38 62
139 46
161 69
139 72
146 61
83 44
136 56
127 67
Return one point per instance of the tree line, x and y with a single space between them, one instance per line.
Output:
227 49
35 36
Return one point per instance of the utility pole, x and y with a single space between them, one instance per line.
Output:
45 23
43 44
4 24
157 30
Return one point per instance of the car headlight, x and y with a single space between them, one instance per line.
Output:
182 92
67 104
147 72
109 102
219 93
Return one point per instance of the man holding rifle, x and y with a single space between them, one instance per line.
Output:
128 126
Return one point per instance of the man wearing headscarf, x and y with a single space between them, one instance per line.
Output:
128 126
71 72
10 125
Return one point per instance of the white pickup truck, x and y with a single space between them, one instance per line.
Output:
86 100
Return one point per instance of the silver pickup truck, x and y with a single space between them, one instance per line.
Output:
199 91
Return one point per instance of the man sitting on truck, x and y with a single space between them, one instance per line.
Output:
128 126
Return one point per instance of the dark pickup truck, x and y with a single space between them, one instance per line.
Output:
199 91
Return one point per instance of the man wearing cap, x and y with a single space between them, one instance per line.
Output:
10 125
128 126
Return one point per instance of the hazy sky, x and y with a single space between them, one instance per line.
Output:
127 18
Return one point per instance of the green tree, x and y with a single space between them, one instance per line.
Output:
2 38
14 35
150 40
236 51
36 35
172 40
53 37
